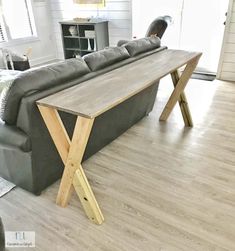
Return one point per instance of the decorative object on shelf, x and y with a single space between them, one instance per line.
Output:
73 30
94 45
89 45
100 3
89 33
81 19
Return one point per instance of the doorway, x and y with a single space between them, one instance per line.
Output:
197 26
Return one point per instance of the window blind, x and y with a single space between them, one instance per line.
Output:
18 18
2 38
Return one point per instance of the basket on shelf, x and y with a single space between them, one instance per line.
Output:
14 61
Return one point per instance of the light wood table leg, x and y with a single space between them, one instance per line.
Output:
57 131
71 153
183 103
87 197
179 88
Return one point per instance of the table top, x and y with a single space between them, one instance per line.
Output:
95 96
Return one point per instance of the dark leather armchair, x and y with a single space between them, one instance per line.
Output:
157 27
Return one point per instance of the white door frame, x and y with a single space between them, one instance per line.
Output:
225 38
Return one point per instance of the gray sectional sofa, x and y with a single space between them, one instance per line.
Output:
28 156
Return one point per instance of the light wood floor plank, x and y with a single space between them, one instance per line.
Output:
161 186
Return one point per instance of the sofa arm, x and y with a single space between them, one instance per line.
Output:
14 137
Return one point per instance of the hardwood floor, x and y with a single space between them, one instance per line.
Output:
161 186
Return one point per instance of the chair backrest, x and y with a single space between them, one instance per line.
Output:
158 26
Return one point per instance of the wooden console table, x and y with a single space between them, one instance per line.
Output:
94 97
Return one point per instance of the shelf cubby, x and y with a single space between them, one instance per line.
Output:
87 37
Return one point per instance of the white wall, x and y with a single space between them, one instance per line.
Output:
226 69
117 12
204 33
43 49
194 27
143 14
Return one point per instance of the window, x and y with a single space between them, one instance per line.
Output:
16 20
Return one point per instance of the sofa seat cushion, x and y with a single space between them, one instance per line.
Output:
39 79
138 46
108 56
11 136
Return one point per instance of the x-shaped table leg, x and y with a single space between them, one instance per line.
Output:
71 153
178 93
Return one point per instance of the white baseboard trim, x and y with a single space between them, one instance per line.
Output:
42 60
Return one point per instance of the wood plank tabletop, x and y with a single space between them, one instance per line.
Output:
95 96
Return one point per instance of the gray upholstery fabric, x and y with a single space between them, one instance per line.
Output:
39 79
138 46
129 60
122 42
103 58
16 167
12 136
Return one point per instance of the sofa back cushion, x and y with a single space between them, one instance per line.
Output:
39 79
138 46
108 56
